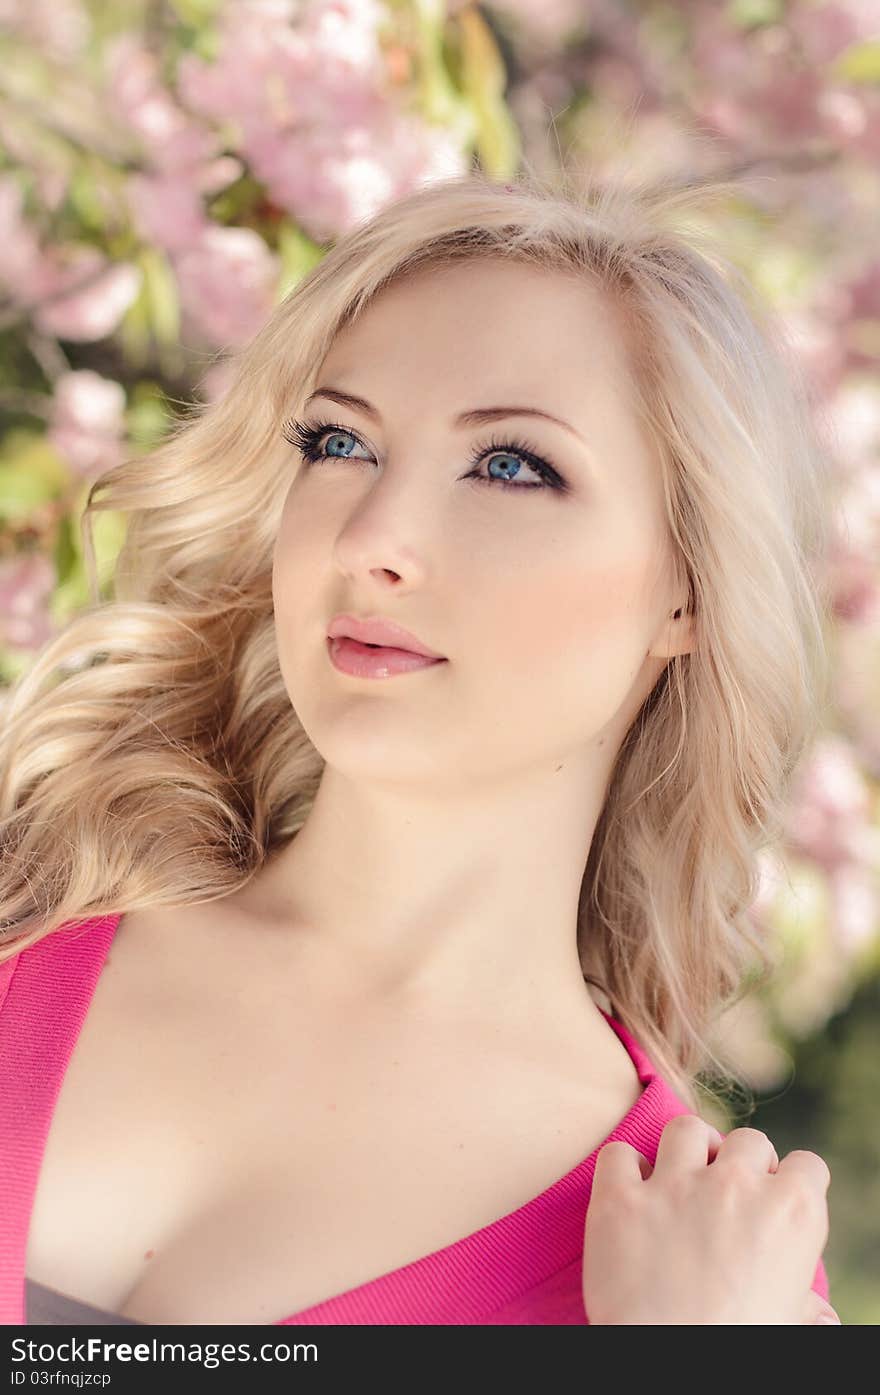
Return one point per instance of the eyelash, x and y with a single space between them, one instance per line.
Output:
305 437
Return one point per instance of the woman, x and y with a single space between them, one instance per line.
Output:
372 766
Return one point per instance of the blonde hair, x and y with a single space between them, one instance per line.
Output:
151 755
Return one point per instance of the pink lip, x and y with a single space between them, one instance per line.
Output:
359 661
377 630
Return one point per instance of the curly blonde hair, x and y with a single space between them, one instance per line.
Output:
151 755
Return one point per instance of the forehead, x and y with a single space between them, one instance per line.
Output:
484 332
484 329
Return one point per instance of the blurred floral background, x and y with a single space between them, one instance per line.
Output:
169 169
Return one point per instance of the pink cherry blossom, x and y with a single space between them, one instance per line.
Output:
36 278
89 311
137 96
831 803
21 259
854 413
59 28
810 331
26 584
855 588
328 69
855 897
824 30
317 123
332 181
228 282
857 684
167 210
770 87
551 21
87 425
859 507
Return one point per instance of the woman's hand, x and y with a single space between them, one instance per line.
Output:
718 1231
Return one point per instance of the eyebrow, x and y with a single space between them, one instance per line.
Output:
477 416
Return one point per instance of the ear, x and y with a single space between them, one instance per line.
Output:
675 636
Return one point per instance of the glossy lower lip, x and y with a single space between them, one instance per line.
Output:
361 661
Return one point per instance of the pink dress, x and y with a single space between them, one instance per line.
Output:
524 1268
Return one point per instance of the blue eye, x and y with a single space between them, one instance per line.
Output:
308 437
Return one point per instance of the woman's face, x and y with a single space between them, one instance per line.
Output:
545 596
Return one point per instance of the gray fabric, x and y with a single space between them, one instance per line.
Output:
48 1306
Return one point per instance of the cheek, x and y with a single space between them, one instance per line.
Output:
300 580
303 560
559 641
562 607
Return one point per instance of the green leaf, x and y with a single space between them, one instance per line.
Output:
195 12
65 554
134 327
82 195
32 473
858 63
72 593
147 415
109 529
298 254
438 99
754 14
163 302
236 202
783 272
14 664
483 78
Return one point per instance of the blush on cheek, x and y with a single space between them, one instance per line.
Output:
575 611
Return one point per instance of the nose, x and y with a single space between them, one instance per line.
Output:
388 533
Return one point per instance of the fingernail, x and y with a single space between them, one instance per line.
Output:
826 1318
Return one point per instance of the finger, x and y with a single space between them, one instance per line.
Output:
817 1310
801 1162
752 1146
619 1164
687 1141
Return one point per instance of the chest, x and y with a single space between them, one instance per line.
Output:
238 1156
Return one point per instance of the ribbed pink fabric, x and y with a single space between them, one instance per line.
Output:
522 1269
